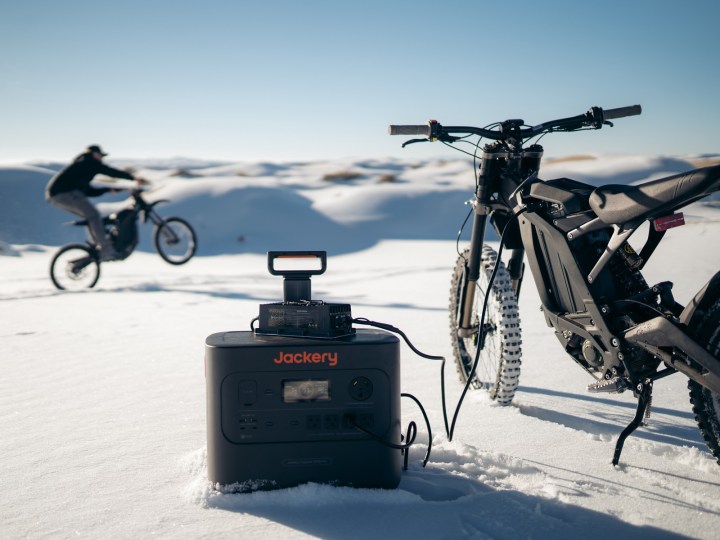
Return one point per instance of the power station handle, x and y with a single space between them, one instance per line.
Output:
297 263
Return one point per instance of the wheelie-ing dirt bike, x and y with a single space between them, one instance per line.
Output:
625 333
77 266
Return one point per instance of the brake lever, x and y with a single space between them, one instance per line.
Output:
413 141
442 138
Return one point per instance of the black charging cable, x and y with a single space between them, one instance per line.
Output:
395 330
410 436
481 327
427 424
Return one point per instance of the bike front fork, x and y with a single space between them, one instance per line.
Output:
471 275
473 267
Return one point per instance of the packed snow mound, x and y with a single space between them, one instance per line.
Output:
24 214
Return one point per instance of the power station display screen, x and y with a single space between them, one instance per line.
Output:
294 391
306 390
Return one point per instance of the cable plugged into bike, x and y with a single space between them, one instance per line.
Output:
623 332
304 396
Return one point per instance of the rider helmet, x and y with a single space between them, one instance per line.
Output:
94 148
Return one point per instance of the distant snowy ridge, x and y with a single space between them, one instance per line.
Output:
343 205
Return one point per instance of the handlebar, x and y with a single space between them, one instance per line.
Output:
410 130
621 112
595 118
129 189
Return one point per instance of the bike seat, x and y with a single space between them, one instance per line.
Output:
618 204
84 222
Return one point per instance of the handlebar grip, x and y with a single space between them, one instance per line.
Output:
409 130
621 112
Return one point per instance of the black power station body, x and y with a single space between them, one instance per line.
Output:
281 410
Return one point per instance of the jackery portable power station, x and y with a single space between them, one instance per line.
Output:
299 403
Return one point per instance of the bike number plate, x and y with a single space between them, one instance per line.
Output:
668 222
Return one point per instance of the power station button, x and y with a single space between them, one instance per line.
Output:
361 388
247 391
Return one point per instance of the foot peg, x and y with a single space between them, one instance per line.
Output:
615 385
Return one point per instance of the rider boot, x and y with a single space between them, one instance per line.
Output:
107 251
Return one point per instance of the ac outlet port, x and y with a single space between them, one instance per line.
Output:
361 388
332 421
365 421
314 422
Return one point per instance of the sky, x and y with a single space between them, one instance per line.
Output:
314 79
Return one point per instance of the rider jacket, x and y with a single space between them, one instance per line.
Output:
79 174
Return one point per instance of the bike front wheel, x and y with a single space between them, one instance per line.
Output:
175 241
498 364
75 267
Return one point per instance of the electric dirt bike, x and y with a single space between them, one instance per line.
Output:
625 333
77 266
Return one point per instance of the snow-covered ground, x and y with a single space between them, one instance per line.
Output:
102 393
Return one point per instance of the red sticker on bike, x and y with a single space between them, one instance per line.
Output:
668 222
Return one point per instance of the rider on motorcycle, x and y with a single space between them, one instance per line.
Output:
70 188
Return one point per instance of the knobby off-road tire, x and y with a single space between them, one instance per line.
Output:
75 267
498 369
706 403
175 241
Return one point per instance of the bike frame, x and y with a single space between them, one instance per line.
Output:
580 293
141 210
147 209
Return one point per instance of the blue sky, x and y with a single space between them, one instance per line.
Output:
314 79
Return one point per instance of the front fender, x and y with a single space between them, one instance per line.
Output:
151 205
702 301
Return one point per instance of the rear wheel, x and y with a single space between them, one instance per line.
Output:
706 403
175 240
498 368
75 267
